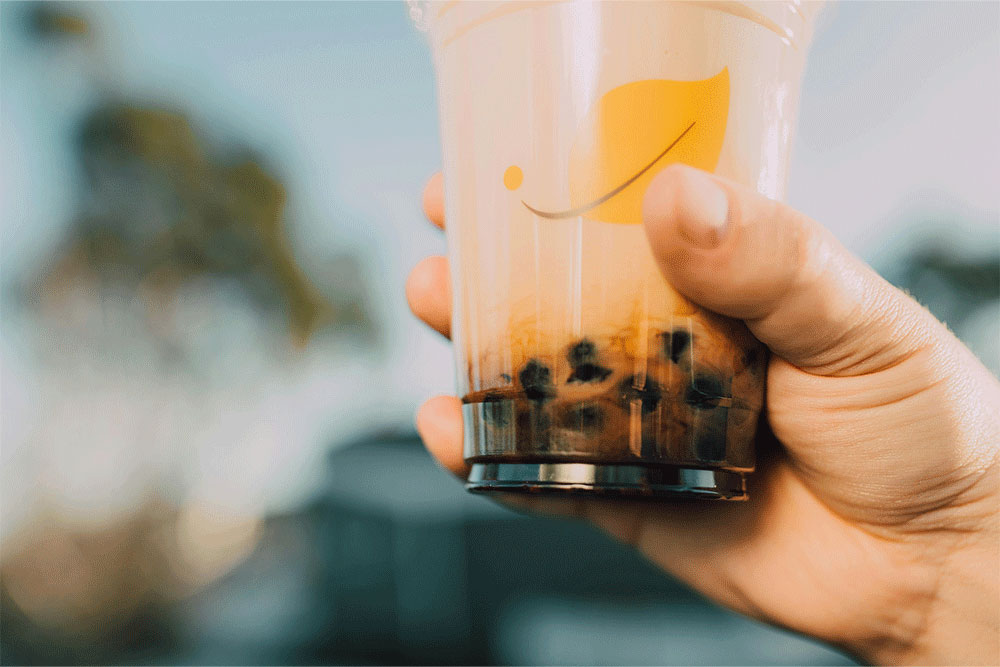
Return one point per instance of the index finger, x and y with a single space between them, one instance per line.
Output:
434 200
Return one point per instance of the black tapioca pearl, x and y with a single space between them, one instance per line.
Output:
675 343
506 378
536 381
586 417
649 394
705 391
584 352
589 373
582 358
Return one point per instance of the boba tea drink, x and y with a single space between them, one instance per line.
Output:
580 369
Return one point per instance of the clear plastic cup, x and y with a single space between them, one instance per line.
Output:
580 369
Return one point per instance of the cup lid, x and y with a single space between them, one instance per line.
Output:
445 20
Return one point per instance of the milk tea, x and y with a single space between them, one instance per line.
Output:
579 367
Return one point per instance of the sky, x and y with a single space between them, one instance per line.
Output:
899 123
900 115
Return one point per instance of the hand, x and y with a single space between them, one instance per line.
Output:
873 521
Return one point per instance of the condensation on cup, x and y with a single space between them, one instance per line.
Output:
580 369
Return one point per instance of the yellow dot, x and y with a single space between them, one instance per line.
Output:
512 177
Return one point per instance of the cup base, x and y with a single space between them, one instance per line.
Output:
633 481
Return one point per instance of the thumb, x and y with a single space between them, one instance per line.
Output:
801 293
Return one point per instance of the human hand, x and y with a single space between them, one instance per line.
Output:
873 519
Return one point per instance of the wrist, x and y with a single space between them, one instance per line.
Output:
954 619
964 626
957 548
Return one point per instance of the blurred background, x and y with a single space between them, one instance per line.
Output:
208 371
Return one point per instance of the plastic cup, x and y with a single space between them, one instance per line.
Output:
580 369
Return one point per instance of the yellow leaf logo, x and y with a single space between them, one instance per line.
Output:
633 132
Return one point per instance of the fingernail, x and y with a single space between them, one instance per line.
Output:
703 212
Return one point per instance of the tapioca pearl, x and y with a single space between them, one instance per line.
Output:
645 390
536 381
506 378
582 352
582 357
589 373
675 344
706 391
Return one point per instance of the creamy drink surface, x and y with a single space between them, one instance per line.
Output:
555 117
